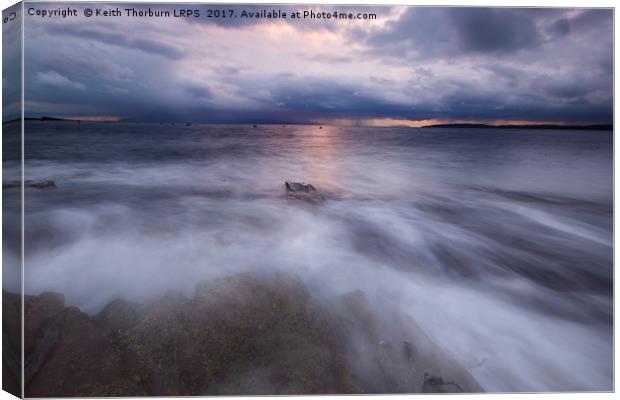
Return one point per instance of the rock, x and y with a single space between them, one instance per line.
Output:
299 187
85 362
42 329
302 191
245 334
11 343
41 311
390 353
241 335
41 184
67 354
38 184
436 384
118 315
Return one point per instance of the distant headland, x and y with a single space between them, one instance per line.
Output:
38 119
597 127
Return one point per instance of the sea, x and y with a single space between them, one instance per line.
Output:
498 242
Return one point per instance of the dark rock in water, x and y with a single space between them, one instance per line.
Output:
40 184
302 191
254 126
436 384
299 187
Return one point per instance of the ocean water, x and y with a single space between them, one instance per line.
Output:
497 242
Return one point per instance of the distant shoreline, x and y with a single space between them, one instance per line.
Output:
596 127
592 127
38 119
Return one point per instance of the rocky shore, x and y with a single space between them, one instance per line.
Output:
240 335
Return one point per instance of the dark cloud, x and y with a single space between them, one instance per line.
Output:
439 32
493 30
304 100
567 90
199 91
560 27
465 105
116 38
55 79
592 19
423 33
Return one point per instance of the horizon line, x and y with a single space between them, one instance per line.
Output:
472 124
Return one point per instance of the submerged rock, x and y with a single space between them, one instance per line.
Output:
302 191
37 184
298 187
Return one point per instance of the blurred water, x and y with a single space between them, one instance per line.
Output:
498 242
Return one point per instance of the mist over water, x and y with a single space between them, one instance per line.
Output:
497 242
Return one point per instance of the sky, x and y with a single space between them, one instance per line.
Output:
409 66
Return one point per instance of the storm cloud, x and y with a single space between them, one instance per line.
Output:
410 63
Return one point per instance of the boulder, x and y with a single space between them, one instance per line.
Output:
245 334
238 335
67 354
302 191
